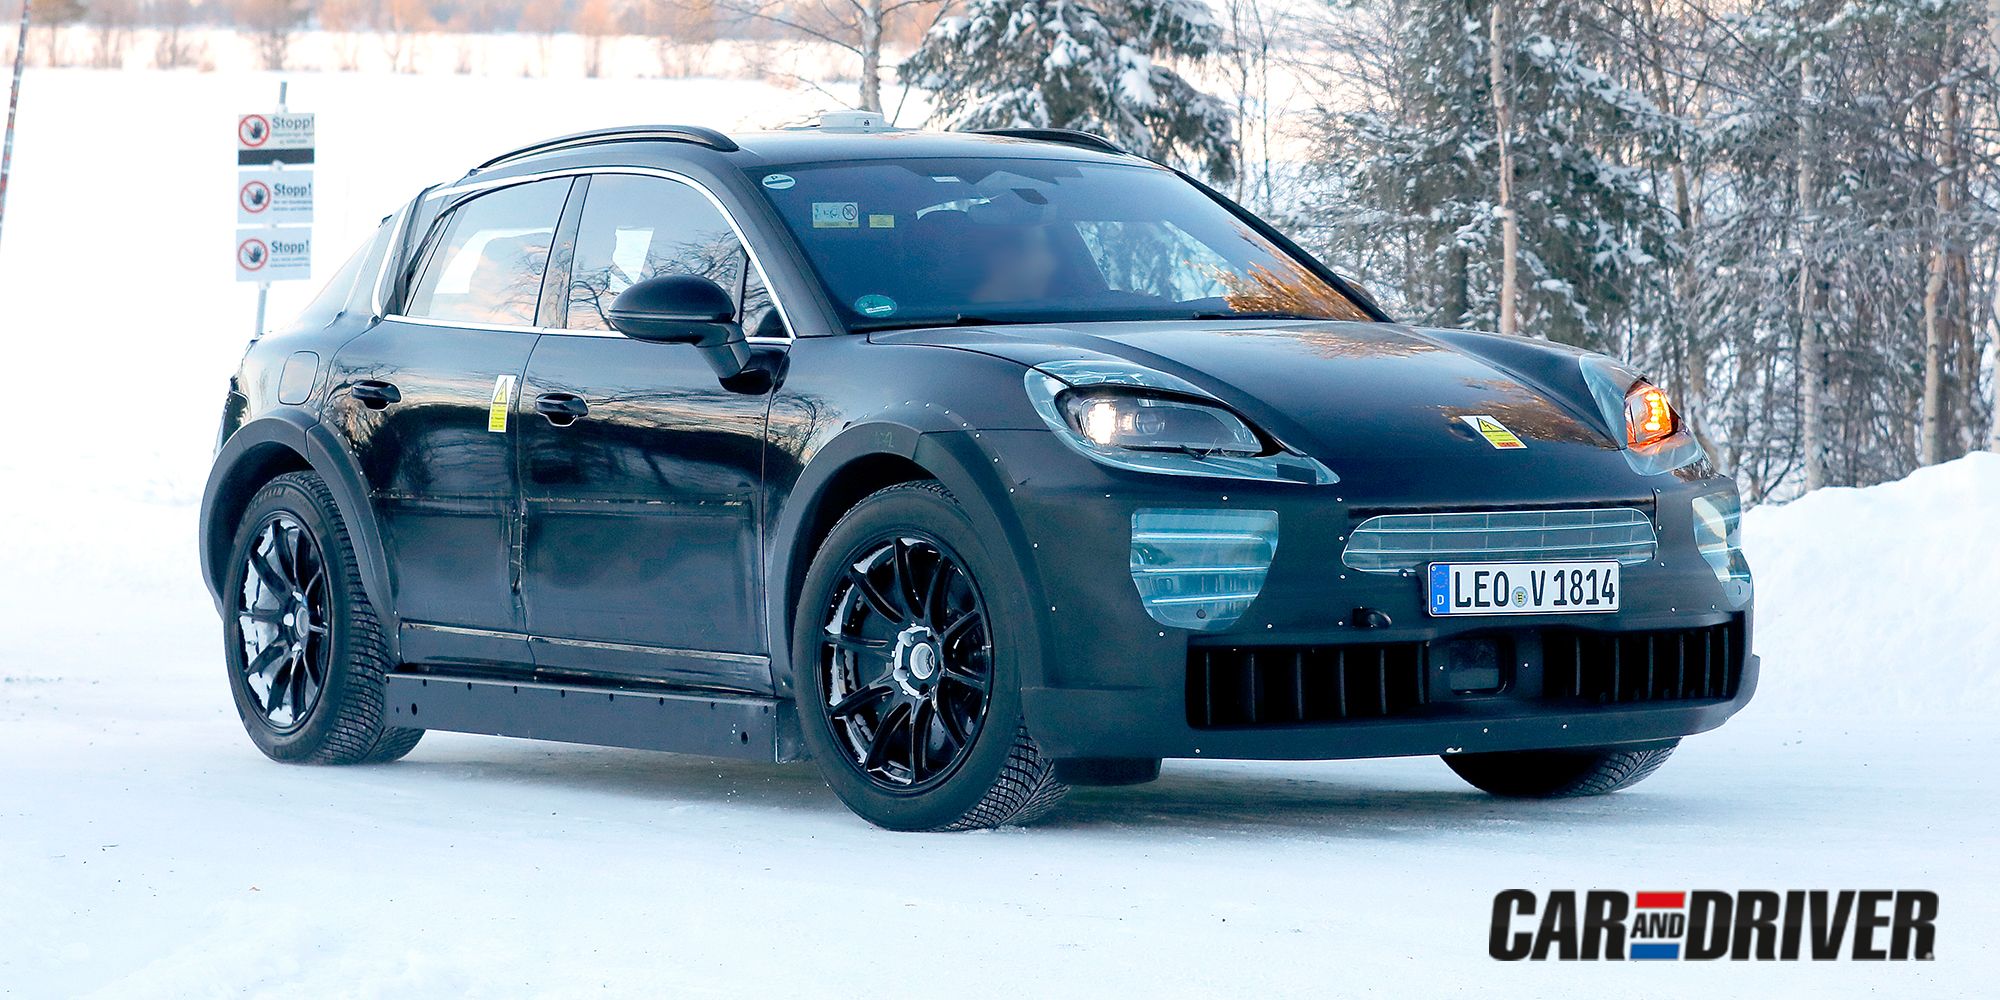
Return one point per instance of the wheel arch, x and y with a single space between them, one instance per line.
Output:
863 460
271 446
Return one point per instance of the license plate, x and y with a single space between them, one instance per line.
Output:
1523 588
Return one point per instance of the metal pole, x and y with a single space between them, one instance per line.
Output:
264 287
13 106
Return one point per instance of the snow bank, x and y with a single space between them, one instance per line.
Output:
1884 599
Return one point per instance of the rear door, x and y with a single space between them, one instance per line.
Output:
640 472
424 401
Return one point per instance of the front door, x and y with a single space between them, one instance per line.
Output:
641 473
424 399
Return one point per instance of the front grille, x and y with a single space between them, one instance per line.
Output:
1280 685
1392 543
1610 668
1260 686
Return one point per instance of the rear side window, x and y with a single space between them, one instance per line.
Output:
634 228
487 262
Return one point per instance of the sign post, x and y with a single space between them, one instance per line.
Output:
274 199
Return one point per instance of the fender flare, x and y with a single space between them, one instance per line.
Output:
954 456
307 439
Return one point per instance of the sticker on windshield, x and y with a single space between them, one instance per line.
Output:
881 221
779 182
836 215
875 305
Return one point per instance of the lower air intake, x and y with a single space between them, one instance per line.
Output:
1609 668
1287 685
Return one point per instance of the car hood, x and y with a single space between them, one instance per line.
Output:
1379 403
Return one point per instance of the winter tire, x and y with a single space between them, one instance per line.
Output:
906 672
305 651
1559 774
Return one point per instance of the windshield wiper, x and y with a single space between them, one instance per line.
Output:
956 319
1271 314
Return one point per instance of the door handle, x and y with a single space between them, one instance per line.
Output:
375 394
562 408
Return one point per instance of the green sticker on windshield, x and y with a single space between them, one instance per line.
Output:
875 305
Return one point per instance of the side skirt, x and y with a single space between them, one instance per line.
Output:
709 725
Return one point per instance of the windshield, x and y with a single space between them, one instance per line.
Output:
904 243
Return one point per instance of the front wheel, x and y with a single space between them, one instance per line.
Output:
1558 774
906 672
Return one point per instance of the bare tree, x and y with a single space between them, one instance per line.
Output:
176 48
1253 34
111 23
596 23
273 23
53 15
543 19
682 32
1935 323
856 26
400 21
1501 54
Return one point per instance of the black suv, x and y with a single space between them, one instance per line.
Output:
970 466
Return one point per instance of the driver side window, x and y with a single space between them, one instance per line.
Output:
636 227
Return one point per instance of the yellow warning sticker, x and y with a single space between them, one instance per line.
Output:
1495 433
503 403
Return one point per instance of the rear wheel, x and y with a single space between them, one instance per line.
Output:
1557 774
908 687
305 651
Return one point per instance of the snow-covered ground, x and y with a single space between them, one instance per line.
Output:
146 849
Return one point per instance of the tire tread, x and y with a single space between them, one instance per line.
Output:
359 734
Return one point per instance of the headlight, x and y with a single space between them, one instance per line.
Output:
1656 438
1128 416
1148 423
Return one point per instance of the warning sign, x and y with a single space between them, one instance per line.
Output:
279 137
1495 433
274 196
503 401
272 254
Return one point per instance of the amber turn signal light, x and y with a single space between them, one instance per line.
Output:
1649 416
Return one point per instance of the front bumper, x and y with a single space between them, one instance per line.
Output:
1113 682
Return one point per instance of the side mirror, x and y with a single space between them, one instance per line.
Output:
684 309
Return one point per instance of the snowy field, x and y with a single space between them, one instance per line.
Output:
146 849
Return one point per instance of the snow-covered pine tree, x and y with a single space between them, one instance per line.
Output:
1412 174
1098 65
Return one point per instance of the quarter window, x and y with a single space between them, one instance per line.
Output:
490 257
634 228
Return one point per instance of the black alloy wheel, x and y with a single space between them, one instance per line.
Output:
306 656
908 664
283 610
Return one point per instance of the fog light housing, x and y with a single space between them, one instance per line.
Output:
1718 535
1200 569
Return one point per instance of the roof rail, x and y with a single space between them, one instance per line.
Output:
1066 136
694 134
